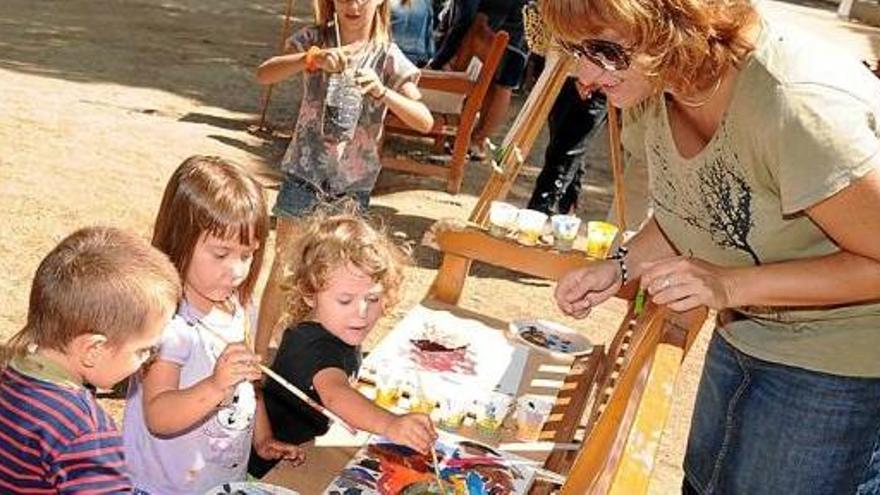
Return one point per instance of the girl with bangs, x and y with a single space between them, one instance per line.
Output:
762 149
193 415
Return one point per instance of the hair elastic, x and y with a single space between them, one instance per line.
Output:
312 58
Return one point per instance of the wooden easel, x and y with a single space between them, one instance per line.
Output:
525 130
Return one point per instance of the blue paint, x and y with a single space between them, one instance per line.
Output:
475 484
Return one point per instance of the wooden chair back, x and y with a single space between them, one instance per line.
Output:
486 45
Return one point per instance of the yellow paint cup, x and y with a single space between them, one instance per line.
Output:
600 236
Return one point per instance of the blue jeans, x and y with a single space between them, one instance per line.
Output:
297 198
761 427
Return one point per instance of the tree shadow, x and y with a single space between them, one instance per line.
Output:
206 51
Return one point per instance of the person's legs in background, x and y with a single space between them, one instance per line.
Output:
493 113
572 121
296 199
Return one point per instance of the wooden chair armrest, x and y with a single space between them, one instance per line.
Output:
451 82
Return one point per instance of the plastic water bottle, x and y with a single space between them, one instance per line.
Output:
342 107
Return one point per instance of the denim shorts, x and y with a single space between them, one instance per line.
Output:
766 428
297 198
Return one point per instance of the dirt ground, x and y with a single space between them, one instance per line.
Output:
99 102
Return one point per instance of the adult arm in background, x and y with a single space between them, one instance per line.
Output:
463 14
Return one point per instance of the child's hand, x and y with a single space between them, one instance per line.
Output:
413 430
235 365
336 59
270 448
333 59
370 83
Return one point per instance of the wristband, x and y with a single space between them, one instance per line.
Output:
312 58
620 257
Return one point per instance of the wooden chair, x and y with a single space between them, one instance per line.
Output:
453 127
632 399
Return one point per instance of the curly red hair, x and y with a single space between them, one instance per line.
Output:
685 44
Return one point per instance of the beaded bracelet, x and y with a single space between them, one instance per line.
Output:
620 257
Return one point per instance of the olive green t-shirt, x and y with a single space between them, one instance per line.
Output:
801 126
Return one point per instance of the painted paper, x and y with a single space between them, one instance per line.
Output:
466 468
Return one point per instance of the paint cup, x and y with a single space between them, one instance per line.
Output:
531 225
420 400
531 412
342 107
490 411
388 385
600 236
565 230
502 218
453 402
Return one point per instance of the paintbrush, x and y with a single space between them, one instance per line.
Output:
439 480
639 304
500 461
539 446
437 470
284 383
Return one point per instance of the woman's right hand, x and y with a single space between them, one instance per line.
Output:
580 290
235 365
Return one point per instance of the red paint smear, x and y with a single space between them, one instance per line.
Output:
396 477
457 361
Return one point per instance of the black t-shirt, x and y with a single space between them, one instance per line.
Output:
305 349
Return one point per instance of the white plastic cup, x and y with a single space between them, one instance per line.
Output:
565 230
531 412
531 226
388 384
490 411
502 218
453 401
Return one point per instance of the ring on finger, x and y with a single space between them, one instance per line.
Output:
667 283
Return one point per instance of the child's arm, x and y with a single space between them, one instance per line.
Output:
168 409
405 104
265 443
413 430
281 67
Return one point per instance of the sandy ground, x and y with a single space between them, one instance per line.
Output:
99 102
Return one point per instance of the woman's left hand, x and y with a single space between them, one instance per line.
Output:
369 82
683 283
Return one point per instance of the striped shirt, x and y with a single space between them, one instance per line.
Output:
56 439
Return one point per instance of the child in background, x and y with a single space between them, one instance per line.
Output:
321 166
98 304
192 413
348 276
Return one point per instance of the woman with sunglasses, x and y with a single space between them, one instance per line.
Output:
762 153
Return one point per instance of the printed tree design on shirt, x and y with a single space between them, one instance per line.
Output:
721 207
728 198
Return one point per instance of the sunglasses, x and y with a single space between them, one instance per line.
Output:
608 55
